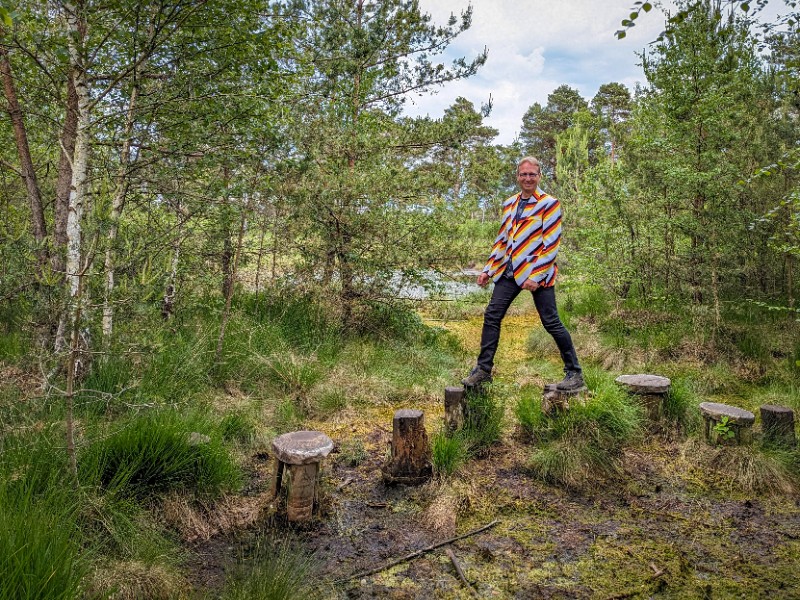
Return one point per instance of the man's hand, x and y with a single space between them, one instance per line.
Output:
483 279
530 285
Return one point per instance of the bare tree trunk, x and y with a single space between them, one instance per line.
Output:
230 286
790 285
168 303
26 162
68 135
260 253
80 161
118 204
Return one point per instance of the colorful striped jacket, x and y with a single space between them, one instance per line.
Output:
531 243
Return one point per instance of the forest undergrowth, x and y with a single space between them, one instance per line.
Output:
173 458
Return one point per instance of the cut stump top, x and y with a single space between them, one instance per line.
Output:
716 411
551 388
774 408
407 413
302 447
644 384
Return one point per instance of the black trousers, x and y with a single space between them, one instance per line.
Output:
505 290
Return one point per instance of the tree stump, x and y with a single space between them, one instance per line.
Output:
726 425
556 401
410 462
455 408
649 390
777 423
303 452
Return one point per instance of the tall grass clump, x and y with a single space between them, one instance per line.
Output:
274 571
483 424
179 366
40 541
158 451
680 404
449 451
584 444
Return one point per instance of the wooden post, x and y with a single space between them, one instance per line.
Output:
777 423
555 401
649 390
410 462
303 451
454 408
725 425
303 491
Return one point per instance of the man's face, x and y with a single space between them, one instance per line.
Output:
528 176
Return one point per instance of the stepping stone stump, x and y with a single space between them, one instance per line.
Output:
556 401
777 423
649 390
455 408
411 454
303 452
726 425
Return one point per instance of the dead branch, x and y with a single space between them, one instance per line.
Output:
419 552
451 555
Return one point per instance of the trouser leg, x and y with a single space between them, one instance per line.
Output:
505 290
545 301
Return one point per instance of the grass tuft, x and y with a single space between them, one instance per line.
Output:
156 452
274 571
448 453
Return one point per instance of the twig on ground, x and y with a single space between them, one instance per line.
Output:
451 555
419 552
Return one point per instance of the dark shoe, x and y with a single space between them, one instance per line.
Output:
573 381
476 377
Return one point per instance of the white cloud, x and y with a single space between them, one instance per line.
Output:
535 46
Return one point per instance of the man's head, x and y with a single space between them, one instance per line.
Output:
529 173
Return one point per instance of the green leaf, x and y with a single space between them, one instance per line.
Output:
620 34
745 6
633 15
6 17
646 7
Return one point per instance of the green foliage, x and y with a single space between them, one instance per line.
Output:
449 451
352 453
483 425
40 540
272 571
680 404
239 427
157 451
724 429
584 444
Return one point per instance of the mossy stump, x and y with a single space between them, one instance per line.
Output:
777 422
410 462
649 390
555 401
302 451
455 408
725 425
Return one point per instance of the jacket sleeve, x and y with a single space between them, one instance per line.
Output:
498 252
551 239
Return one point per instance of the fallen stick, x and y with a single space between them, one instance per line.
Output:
419 552
451 555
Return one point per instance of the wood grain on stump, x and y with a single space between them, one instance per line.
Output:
303 451
454 408
649 390
726 425
777 423
410 462
555 400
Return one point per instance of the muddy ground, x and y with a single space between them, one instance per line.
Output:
661 529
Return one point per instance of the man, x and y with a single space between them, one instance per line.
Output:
524 258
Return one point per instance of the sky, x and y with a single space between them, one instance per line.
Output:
535 46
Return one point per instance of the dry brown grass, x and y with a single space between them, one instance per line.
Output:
196 522
133 580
